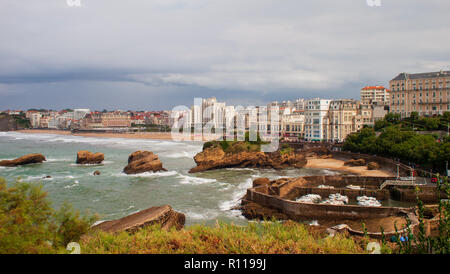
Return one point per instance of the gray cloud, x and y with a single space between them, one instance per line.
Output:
156 54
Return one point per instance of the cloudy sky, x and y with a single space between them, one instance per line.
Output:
156 54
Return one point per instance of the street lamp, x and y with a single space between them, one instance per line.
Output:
446 167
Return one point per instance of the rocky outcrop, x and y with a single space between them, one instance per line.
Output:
354 162
143 161
261 182
164 215
24 160
215 158
255 211
87 157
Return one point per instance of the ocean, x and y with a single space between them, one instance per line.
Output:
203 197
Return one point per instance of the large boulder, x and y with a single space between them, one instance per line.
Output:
216 158
164 215
355 162
373 166
24 160
87 157
143 161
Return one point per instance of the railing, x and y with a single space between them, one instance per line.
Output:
400 182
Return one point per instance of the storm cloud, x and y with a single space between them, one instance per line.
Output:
156 54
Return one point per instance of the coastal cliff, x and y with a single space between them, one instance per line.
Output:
13 122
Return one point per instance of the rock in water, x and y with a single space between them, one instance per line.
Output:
96 172
24 160
163 215
215 158
143 161
87 157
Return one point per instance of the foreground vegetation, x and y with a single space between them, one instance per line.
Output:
28 224
255 238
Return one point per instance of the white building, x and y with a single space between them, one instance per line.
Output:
35 119
316 119
292 126
299 104
372 94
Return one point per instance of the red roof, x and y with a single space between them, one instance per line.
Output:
373 87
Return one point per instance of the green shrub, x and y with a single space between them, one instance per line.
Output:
208 144
225 144
254 238
237 148
28 224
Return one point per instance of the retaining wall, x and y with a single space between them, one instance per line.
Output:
296 210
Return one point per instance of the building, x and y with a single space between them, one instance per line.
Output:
35 119
299 104
374 94
342 119
292 126
316 113
379 111
425 93
92 120
116 120
366 114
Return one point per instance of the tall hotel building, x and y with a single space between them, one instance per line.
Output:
374 94
316 113
425 93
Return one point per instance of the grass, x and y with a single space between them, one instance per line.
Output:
255 238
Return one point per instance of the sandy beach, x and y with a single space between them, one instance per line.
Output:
335 164
131 135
